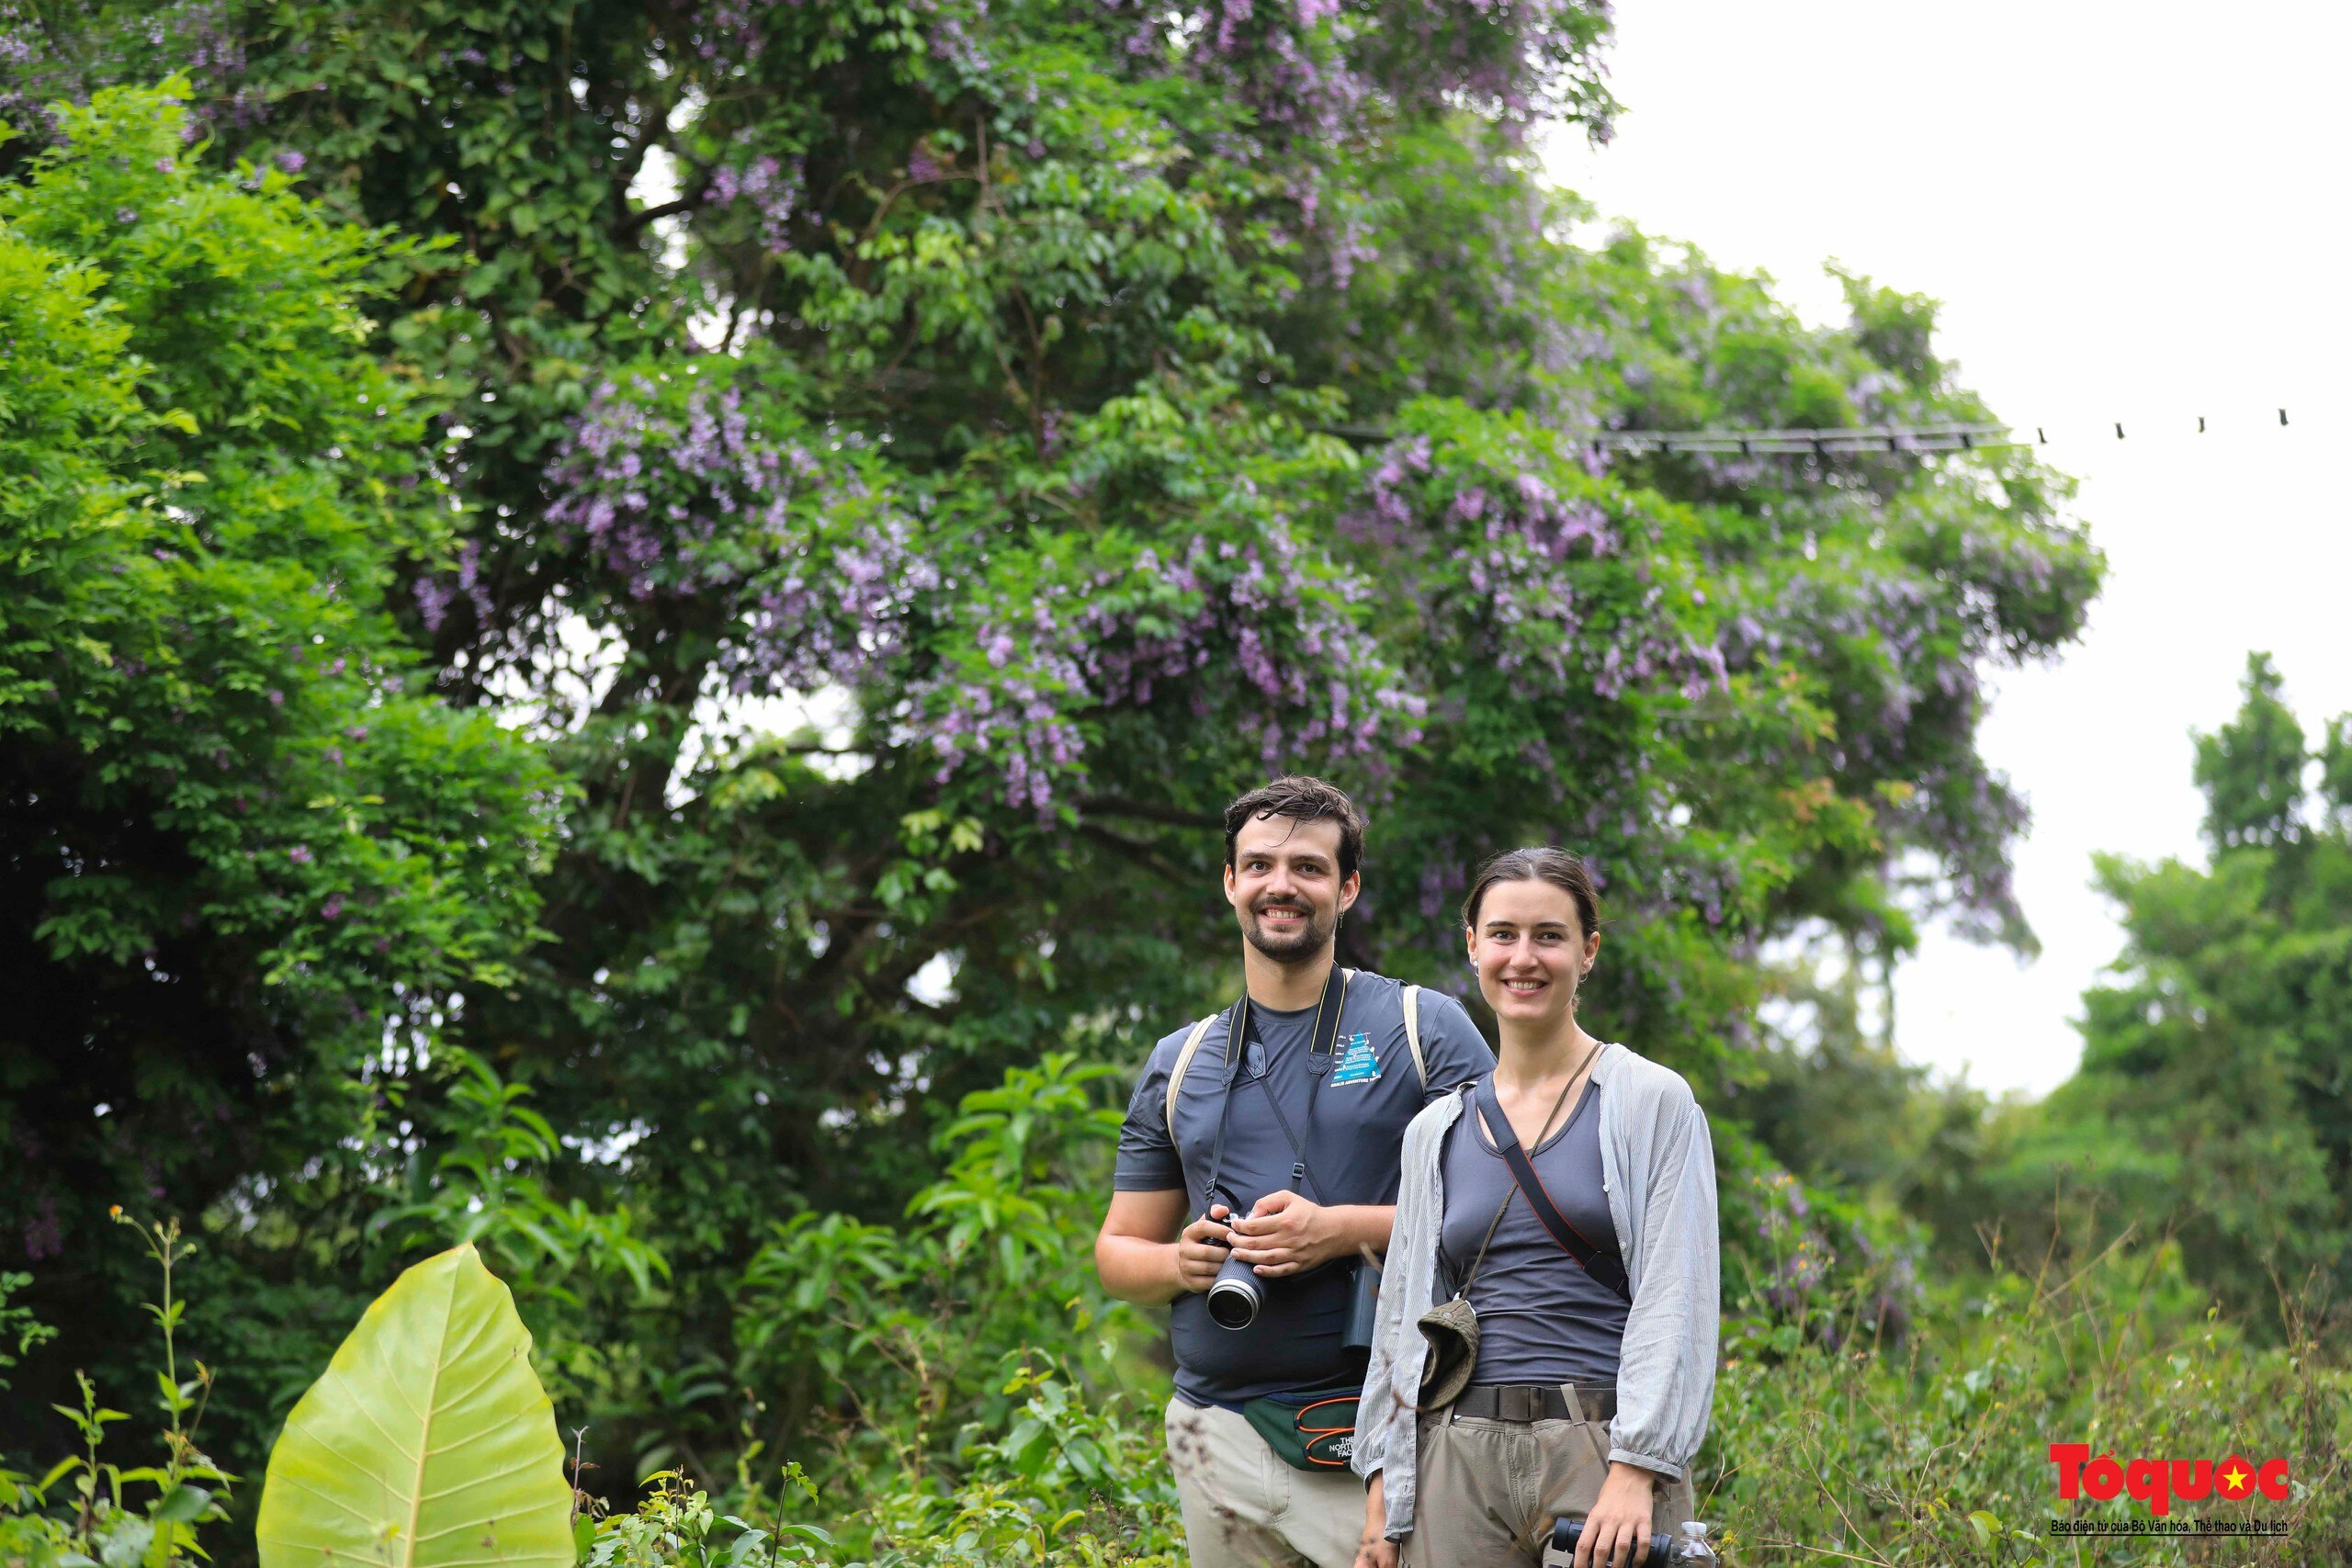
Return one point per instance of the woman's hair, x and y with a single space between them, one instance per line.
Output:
1558 867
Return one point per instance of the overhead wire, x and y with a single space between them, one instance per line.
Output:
1820 442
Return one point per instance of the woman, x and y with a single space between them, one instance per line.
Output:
1588 1383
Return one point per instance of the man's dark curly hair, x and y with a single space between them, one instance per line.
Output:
1301 799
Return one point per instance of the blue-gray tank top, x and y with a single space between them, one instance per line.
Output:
1542 1319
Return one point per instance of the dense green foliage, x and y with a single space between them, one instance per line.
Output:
608 607
243 838
2214 1101
1832 1442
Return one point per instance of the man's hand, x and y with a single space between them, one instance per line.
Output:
1284 1233
1617 1531
1201 1249
1375 1550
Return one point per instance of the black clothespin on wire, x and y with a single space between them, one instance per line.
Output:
2282 416
2038 436
2118 430
2200 424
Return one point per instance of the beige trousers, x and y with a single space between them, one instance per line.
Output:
1246 1508
1487 1490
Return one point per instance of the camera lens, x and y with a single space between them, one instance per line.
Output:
1233 1305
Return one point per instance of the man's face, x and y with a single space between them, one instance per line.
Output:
1286 888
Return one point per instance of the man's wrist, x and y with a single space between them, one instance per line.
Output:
1362 1227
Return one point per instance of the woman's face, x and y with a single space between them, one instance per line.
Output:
1530 951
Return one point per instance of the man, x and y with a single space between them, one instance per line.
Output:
1299 1130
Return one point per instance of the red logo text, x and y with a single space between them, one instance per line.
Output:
2156 1482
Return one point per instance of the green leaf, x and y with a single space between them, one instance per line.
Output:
182 1504
427 1441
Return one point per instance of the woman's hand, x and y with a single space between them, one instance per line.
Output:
1375 1550
1617 1531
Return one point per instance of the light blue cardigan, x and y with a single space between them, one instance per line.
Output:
1658 1167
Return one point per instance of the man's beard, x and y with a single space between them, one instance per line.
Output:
1312 936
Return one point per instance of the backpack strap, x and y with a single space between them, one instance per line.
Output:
1413 1033
1183 1061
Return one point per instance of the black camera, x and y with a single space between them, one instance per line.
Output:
1235 1296
1237 1293
1688 1549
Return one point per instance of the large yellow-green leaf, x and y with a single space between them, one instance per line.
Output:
427 1443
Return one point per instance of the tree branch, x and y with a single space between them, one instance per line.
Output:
1142 853
645 215
1148 811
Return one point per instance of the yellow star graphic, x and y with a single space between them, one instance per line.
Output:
2234 1478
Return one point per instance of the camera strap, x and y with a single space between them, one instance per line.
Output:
1595 1262
1321 1043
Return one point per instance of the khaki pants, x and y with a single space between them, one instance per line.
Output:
1246 1508
1487 1491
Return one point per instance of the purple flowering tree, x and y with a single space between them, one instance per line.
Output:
914 462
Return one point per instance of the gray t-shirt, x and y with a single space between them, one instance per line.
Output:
1370 1092
1541 1318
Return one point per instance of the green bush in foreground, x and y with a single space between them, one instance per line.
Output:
1831 1444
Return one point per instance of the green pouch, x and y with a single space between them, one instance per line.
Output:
1314 1430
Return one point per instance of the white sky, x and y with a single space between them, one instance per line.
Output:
2131 212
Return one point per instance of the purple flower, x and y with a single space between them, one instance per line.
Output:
43 1235
332 907
165 165
290 161
300 855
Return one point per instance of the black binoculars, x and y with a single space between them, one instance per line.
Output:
1665 1550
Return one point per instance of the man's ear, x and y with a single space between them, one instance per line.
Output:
1348 889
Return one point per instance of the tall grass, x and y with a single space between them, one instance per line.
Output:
1831 1446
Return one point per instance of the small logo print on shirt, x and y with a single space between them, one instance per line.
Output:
1358 1062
